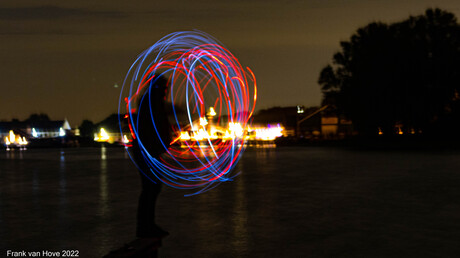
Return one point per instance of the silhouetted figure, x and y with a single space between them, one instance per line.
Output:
152 118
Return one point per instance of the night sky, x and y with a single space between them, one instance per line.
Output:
65 58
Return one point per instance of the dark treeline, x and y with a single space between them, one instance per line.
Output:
405 75
111 122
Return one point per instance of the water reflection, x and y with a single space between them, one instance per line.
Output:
10 153
240 220
62 193
15 153
62 181
36 189
103 236
264 155
125 154
103 185
103 152
87 199
205 214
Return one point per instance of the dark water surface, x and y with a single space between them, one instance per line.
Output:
288 202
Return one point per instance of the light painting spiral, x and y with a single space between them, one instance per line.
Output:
210 99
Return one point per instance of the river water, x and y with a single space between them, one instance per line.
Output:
287 202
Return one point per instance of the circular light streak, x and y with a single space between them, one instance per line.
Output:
211 99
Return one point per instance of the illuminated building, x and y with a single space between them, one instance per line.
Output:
14 134
205 129
335 127
24 132
104 135
14 140
49 129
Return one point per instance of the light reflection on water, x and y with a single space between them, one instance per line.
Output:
103 185
240 219
287 202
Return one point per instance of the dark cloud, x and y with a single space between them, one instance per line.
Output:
48 12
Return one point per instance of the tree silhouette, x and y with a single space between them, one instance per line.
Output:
87 128
38 118
402 74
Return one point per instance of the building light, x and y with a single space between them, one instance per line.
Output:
61 132
212 112
125 139
201 135
103 135
184 136
15 140
233 130
236 129
228 135
203 121
12 137
34 133
269 133
300 110
22 141
214 133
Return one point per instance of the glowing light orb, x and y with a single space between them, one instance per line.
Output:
211 99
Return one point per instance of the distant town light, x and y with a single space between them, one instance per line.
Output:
233 131
184 136
236 129
212 112
103 135
228 135
201 135
269 133
22 141
300 110
15 140
61 132
213 133
34 133
12 136
203 121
